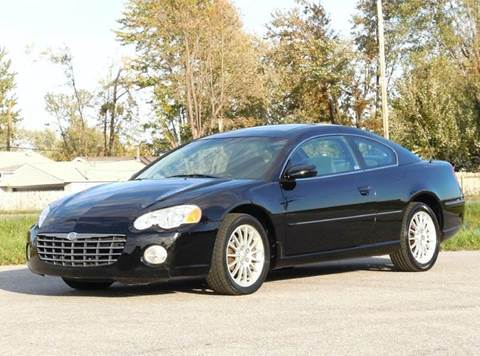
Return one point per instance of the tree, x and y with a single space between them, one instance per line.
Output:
436 92
78 139
458 35
434 70
8 115
359 104
434 114
397 22
44 141
195 56
71 111
308 64
117 109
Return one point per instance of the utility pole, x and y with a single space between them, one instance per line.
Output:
383 82
9 125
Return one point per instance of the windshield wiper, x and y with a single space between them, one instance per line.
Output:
193 175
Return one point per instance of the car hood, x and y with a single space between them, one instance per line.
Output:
112 207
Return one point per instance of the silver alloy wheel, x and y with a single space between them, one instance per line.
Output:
422 237
245 255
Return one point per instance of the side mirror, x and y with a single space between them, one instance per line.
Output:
299 172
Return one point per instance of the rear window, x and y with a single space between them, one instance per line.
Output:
374 154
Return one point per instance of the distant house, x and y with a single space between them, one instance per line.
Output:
70 176
11 161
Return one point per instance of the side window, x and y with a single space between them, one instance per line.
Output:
329 155
374 153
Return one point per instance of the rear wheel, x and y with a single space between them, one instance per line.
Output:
81 284
419 240
241 256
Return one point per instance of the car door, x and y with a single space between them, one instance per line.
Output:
387 178
333 210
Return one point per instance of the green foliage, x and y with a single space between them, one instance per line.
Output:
365 84
198 61
78 139
8 100
365 35
469 236
434 114
437 104
78 114
117 111
13 234
45 141
308 66
70 109
201 74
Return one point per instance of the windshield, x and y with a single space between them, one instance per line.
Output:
237 158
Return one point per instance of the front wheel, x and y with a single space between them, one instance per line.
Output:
419 239
241 256
81 284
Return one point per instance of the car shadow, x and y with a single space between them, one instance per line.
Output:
375 264
21 280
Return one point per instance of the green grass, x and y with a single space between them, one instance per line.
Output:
13 232
468 238
14 227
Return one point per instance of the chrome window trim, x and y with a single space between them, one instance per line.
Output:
338 174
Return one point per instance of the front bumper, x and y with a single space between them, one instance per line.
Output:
189 255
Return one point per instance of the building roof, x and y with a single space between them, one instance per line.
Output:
10 161
62 173
102 159
146 160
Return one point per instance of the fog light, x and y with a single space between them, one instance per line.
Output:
155 255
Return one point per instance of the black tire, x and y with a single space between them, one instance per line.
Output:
403 258
219 278
81 284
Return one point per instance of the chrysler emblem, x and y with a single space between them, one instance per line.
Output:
72 236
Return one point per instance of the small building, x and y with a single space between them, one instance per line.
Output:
11 161
69 176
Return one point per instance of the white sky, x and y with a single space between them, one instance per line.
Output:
28 27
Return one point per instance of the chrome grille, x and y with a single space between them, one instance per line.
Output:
80 250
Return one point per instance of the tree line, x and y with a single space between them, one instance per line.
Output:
202 73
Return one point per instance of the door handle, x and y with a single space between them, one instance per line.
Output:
365 190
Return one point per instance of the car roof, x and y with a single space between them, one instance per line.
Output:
298 132
294 131
280 131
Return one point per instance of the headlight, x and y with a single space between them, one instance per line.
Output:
43 216
169 218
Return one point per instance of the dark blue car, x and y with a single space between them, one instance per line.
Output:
233 206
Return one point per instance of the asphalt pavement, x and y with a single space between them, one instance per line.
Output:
350 307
